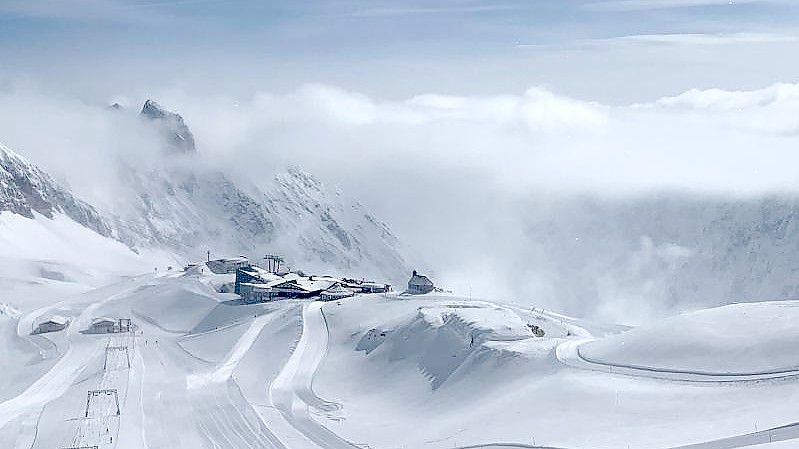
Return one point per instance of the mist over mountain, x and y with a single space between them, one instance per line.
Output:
173 201
647 256
171 125
503 197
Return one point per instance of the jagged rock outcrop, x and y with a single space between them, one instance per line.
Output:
25 189
171 125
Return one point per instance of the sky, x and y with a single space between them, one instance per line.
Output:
580 48
450 119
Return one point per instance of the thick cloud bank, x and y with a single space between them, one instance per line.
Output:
478 184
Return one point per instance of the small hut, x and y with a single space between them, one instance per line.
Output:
53 324
420 284
102 325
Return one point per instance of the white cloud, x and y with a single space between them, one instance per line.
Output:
695 39
719 99
637 5
452 174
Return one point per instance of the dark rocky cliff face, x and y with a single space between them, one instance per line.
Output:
25 189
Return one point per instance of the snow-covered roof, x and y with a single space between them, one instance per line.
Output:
372 284
418 279
276 280
337 288
315 284
261 273
307 284
291 276
56 319
102 319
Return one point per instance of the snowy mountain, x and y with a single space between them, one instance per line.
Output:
25 189
171 209
182 204
331 228
53 244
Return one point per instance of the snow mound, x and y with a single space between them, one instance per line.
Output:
747 338
175 307
443 338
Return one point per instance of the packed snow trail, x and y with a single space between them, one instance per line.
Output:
64 373
292 391
225 369
773 435
216 405
569 354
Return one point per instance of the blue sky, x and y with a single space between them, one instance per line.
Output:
604 50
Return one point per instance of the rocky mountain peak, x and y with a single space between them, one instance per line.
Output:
172 126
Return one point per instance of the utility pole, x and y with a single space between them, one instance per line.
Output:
273 263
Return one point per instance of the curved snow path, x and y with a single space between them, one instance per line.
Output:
229 420
225 369
292 390
62 375
569 354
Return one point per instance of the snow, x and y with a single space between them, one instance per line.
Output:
56 319
43 260
734 339
380 371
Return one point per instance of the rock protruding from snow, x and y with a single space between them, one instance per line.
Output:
172 125
25 189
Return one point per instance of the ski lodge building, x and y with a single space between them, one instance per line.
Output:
227 265
419 284
53 324
102 325
254 284
105 325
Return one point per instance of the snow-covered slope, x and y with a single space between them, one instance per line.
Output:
25 189
325 228
734 339
53 244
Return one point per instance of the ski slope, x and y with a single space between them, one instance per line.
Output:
385 371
